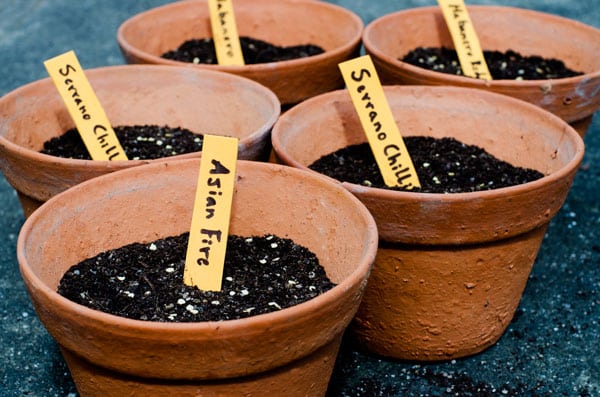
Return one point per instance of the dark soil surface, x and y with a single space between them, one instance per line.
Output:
145 281
254 51
508 65
140 142
443 165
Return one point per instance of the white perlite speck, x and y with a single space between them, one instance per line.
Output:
191 309
152 247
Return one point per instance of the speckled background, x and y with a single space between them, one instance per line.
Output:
552 347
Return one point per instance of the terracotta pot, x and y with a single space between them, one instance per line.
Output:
288 352
144 37
451 268
200 100
574 99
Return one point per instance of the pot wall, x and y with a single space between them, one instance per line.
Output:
129 206
451 268
499 28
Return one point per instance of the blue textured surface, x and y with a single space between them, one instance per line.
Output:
552 347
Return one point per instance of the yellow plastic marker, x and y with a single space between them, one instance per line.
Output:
465 39
205 258
225 35
378 122
84 107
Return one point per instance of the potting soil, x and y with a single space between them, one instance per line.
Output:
144 281
140 142
509 65
444 165
254 51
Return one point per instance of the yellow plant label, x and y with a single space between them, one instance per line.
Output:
225 35
378 122
83 106
205 257
465 39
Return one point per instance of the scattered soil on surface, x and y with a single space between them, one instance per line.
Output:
508 65
140 142
443 165
145 281
254 51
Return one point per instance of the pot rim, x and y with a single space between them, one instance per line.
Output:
104 72
568 168
281 318
371 48
251 68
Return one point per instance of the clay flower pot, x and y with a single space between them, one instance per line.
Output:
200 100
289 352
451 268
144 37
574 99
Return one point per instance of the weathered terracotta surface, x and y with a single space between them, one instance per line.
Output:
144 37
528 32
201 100
451 267
110 354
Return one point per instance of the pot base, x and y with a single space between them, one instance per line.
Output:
582 126
306 377
442 303
28 204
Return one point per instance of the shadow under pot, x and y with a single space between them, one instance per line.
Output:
451 268
201 101
388 39
290 351
145 37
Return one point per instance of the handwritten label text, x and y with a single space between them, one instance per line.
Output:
466 42
84 107
378 122
207 244
225 35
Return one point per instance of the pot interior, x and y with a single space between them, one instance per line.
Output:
498 28
204 102
283 23
146 203
511 130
